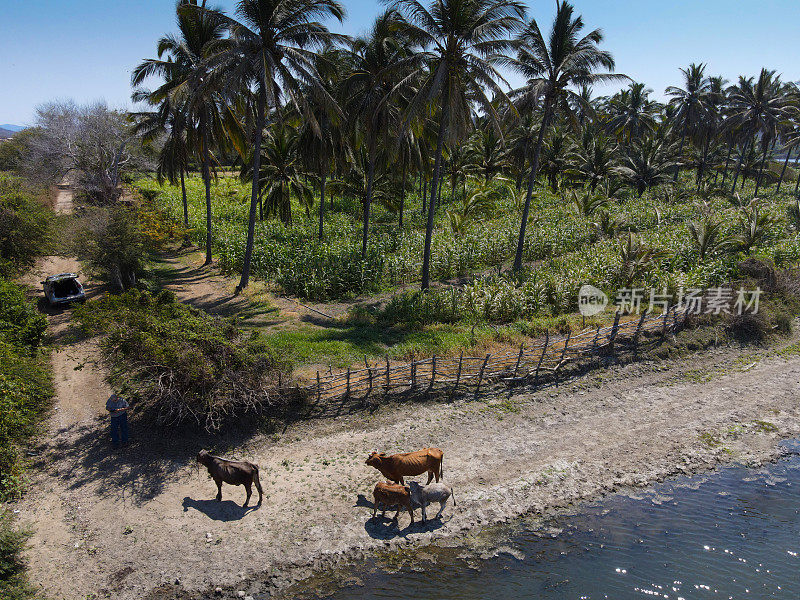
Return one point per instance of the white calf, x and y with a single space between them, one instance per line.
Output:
422 495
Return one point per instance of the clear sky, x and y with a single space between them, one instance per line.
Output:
85 49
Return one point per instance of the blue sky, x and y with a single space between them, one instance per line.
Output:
85 49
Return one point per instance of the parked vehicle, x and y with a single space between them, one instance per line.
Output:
63 289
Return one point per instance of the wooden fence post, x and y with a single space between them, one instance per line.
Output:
541 357
319 389
638 329
664 324
413 374
347 390
519 359
480 375
458 373
433 373
596 337
614 329
388 378
369 374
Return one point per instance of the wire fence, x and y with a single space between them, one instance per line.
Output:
530 364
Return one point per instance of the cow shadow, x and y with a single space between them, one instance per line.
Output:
227 510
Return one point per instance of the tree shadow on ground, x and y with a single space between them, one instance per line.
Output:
226 510
81 455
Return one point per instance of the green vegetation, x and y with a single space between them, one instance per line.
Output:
14 583
25 225
25 393
181 365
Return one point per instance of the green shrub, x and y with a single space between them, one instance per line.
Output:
115 245
14 583
180 364
25 225
25 385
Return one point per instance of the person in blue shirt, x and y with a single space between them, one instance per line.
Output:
117 407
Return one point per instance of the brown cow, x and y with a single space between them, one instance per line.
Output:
234 472
397 466
391 495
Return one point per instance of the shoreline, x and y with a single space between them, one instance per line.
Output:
748 435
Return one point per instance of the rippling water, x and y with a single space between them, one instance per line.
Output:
731 534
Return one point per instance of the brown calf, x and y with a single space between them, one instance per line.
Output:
391 495
234 472
397 466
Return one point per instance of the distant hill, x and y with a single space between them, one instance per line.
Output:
6 133
13 128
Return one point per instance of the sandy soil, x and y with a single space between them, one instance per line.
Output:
124 524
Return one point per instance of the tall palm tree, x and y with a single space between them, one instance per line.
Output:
551 66
381 63
187 88
463 42
757 108
169 126
595 157
688 102
631 112
271 50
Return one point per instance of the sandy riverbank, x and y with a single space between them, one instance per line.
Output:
131 525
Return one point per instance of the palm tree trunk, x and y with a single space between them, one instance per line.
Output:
402 195
727 161
185 202
531 181
797 185
207 181
322 201
761 170
783 170
437 166
739 164
368 198
680 149
424 193
251 222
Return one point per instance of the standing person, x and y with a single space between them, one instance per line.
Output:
117 407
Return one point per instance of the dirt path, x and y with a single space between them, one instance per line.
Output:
123 524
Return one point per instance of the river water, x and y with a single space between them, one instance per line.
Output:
734 533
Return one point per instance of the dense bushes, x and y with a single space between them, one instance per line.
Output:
113 243
25 386
179 364
24 225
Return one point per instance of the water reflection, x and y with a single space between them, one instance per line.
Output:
731 534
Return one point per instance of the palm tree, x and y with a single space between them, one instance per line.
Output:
323 140
187 87
558 151
687 101
463 40
281 174
595 157
551 66
757 107
631 112
648 162
380 65
271 50
167 125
